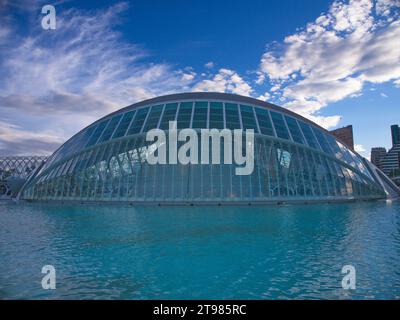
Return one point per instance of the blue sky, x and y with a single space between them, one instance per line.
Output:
335 62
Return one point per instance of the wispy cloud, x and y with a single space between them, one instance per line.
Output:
55 82
80 71
209 65
16 141
334 56
84 56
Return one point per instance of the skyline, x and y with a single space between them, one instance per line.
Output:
336 63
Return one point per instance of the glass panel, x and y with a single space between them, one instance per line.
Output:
169 115
264 121
294 129
158 181
99 130
107 133
313 173
284 162
346 155
200 115
216 115
137 123
124 124
322 141
360 165
135 162
321 174
153 118
232 116
256 191
83 138
196 180
272 159
308 134
334 147
299 171
248 120
293 171
279 125
184 115
75 144
342 179
333 178
264 165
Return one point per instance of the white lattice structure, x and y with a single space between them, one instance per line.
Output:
19 166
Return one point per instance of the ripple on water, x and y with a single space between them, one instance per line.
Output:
285 252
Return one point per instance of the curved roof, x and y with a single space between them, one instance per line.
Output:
295 126
217 96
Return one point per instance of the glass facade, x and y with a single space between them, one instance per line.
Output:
294 159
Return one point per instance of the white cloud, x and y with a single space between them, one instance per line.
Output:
187 75
69 77
311 96
225 81
264 97
275 87
331 59
359 148
209 65
61 81
387 7
362 151
82 70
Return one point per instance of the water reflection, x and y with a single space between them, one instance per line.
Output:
269 252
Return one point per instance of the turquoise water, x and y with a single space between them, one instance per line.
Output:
200 252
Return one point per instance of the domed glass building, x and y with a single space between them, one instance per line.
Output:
295 160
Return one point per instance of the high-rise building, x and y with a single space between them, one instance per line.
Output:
377 155
390 163
345 135
395 134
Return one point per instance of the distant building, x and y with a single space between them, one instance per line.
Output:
377 155
395 134
389 163
345 135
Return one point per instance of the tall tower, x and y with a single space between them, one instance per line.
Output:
395 134
377 155
345 135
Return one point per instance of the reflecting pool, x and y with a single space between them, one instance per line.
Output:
263 252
